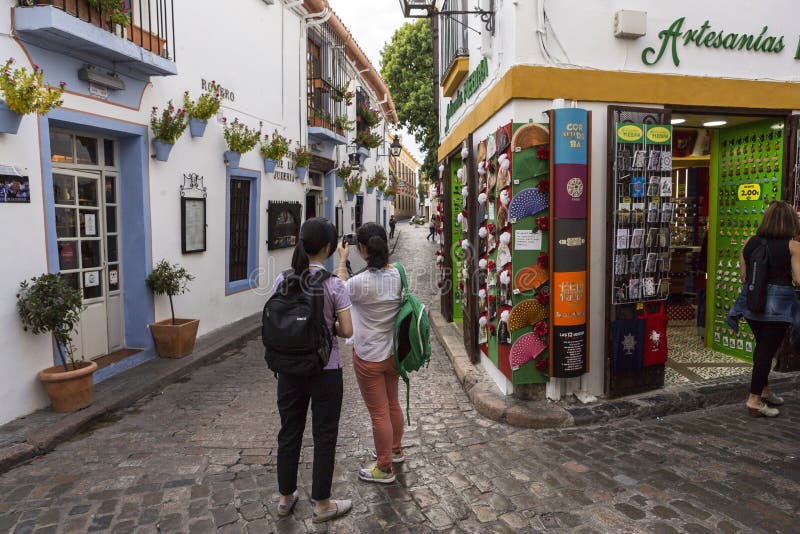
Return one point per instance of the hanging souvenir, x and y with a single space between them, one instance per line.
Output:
527 202
504 250
526 313
505 288
483 335
503 174
491 305
491 274
463 220
530 278
464 197
503 334
482 274
525 349
460 176
483 233
482 300
490 240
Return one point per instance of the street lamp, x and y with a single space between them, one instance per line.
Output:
395 149
425 9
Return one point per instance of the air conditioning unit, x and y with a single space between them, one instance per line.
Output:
629 24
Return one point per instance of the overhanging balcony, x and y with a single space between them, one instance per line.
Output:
144 47
326 112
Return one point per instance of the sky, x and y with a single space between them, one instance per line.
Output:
372 23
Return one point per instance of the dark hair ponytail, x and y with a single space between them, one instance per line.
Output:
374 239
314 235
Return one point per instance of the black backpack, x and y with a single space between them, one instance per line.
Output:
756 279
296 338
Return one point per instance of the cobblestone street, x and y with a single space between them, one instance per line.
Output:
201 456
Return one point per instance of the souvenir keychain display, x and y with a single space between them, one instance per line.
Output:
458 225
643 213
750 160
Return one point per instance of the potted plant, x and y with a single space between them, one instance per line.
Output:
167 127
344 124
377 180
240 140
174 338
352 185
115 10
342 174
200 111
368 140
49 304
273 150
25 92
302 160
389 188
370 117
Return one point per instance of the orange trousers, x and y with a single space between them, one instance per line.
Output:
378 382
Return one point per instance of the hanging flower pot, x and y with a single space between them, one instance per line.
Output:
197 127
162 149
370 190
232 158
339 181
9 120
269 165
349 196
301 172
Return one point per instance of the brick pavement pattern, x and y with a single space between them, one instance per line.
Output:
200 457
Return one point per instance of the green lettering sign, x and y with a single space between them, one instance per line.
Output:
702 37
470 86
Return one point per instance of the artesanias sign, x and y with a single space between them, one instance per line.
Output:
704 36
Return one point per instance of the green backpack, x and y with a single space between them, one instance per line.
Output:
411 339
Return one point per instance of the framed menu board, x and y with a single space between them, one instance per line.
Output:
193 225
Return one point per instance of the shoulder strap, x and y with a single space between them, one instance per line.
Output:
402 271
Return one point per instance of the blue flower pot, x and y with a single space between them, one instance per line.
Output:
301 173
9 120
379 195
162 149
233 158
349 196
270 164
370 190
339 181
363 152
197 127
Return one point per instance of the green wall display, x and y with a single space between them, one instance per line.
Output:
458 236
746 177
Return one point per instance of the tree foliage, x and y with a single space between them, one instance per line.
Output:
407 68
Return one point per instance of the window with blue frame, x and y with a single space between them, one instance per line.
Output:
242 230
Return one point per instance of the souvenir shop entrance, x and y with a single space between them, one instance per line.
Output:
679 225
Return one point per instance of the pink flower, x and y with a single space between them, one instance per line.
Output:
62 84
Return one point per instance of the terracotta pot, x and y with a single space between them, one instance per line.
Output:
69 391
175 340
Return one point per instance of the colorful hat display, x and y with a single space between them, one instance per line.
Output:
525 349
528 202
526 313
531 277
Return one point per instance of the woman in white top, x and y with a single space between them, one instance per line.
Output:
376 297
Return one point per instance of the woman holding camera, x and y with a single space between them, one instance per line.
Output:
376 297
324 391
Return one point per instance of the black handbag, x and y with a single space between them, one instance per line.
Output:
787 357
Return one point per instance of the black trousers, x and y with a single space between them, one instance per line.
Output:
391 230
324 391
768 338
431 233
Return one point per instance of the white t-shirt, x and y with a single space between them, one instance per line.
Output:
375 295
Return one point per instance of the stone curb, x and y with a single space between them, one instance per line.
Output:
42 430
490 402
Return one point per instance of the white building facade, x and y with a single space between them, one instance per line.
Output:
103 211
705 59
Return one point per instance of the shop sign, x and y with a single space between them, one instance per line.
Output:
702 37
14 185
472 83
569 134
213 86
630 133
659 135
749 191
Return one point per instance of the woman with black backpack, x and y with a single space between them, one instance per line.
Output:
376 294
774 251
323 388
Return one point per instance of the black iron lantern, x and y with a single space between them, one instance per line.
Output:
425 9
395 149
354 159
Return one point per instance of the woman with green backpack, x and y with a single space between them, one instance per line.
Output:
376 295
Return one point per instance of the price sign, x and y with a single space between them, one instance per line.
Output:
749 191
